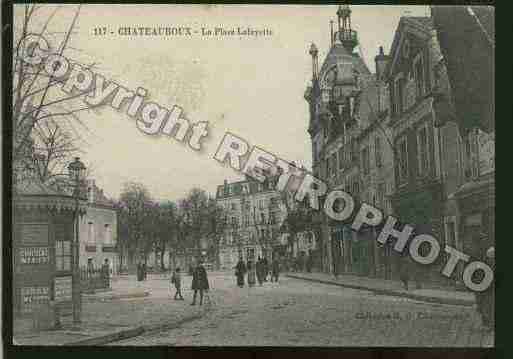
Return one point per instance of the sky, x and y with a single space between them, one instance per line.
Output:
252 87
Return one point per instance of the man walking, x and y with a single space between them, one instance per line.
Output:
265 269
260 271
199 282
176 279
240 272
105 273
275 270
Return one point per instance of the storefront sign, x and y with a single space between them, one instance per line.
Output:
486 145
34 255
34 234
62 288
32 297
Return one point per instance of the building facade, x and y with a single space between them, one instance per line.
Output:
98 230
254 212
350 143
465 101
392 139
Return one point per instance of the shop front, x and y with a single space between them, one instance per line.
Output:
476 202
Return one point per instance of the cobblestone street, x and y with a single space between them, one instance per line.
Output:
296 313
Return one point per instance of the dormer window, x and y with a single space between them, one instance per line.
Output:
418 71
398 94
406 49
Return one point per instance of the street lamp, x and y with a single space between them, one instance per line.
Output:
77 174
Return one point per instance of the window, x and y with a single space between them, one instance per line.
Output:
234 222
398 95
234 206
262 217
354 151
63 255
451 234
341 158
272 219
471 155
108 234
402 160
423 150
333 165
418 68
365 161
356 187
377 151
327 129
90 233
381 195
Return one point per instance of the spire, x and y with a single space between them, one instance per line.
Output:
331 32
315 65
347 36
315 68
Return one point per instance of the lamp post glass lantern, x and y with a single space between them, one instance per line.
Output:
77 174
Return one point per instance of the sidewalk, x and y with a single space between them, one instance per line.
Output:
130 309
390 287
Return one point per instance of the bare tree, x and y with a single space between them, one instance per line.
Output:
44 118
135 204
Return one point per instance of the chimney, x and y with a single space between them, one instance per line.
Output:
381 61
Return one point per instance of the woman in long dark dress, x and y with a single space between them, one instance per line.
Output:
251 274
240 271
260 271
199 282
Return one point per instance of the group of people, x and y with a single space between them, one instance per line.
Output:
258 271
199 283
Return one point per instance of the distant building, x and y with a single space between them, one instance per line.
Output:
98 230
254 214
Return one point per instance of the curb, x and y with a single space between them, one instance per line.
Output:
134 332
94 298
452 301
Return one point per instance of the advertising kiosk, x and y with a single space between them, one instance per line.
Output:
43 245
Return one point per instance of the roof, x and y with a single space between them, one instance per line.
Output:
34 187
423 21
32 194
468 47
339 54
421 24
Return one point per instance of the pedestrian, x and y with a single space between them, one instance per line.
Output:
176 279
144 271
404 272
240 272
139 272
260 271
251 274
265 268
275 270
309 264
105 273
199 282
